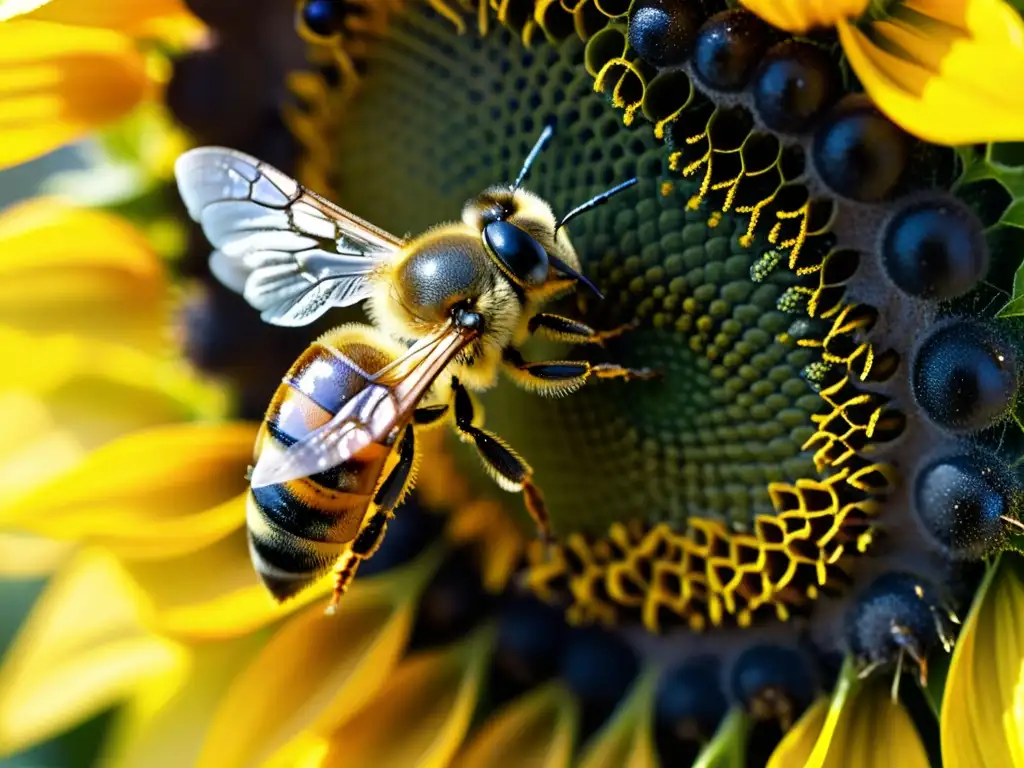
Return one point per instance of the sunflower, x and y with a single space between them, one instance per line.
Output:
797 547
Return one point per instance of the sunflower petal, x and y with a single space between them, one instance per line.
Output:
937 83
982 720
865 727
798 743
627 741
155 493
421 715
82 649
538 730
315 672
131 16
164 727
31 557
802 15
67 268
213 592
59 82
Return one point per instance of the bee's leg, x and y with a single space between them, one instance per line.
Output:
344 571
504 464
573 331
389 494
559 377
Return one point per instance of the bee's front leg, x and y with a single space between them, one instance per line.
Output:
504 465
566 329
553 378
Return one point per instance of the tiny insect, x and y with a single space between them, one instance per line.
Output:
336 452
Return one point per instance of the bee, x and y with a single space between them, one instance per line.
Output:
336 452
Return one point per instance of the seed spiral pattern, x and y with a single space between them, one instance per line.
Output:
752 263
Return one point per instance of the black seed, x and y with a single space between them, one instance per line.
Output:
688 707
898 612
599 667
963 377
795 83
729 47
934 249
961 501
325 17
773 682
452 604
663 32
858 152
530 639
409 532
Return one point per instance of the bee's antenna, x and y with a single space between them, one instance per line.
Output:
594 202
542 142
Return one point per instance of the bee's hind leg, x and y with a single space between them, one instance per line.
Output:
504 465
389 494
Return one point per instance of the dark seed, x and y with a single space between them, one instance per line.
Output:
325 17
774 683
663 32
935 249
599 667
858 152
963 377
688 707
729 47
962 500
452 603
795 83
898 612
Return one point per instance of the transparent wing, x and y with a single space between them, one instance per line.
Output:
370 416
288 251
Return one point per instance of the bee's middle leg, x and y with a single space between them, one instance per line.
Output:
507 468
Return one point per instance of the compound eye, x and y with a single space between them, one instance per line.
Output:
520 253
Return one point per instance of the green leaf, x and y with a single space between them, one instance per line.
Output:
1014 307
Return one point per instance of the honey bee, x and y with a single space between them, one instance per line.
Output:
337 452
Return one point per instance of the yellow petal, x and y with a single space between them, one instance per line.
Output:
34 448
82 649
67 268
802 15
798 743
864 727
155 493
420 716
627 741
31 557
59 82
131 16
982 721
213 592
948 84
164 727
535 731
314 673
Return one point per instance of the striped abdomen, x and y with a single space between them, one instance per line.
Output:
299 528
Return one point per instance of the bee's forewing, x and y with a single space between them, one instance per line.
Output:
369 417
290 253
